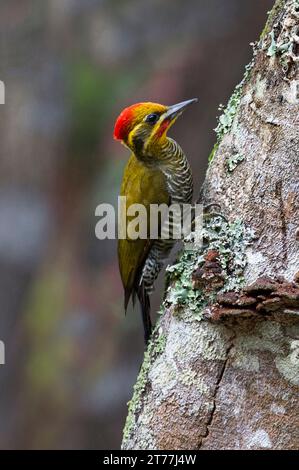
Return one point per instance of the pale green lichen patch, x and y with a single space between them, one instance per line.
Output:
155 348
163 376
283 38
282 49
225 121
245 361
230 240
288 365
170 372
189 377
196 341
182 292
260 88
257 343
233 161
268 336
272 50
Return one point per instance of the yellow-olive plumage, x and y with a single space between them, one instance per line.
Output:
157 173
145 186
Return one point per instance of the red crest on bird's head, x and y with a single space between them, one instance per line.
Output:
132 115
125 121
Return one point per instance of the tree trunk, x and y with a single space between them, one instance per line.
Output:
222 371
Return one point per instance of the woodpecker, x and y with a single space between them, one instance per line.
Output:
157 172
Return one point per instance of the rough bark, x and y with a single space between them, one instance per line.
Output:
222 371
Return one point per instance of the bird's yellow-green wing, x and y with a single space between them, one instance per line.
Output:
142 186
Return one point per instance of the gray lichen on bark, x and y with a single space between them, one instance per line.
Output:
227 375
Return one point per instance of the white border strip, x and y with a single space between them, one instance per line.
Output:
2 92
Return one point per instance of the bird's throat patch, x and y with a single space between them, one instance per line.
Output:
163 128
138 144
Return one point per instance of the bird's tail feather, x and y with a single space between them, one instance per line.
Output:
145 311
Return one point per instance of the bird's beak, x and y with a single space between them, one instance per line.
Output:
170 116
176 110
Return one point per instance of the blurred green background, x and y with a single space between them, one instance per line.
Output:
69 67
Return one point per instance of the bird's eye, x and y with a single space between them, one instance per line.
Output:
152 118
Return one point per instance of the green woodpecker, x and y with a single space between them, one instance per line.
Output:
157 172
